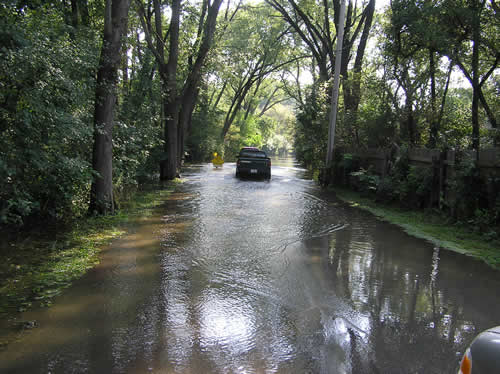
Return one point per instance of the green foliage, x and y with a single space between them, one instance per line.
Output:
39 266
471 198
311 131
349 163
456 130
377 120
138 134
204 137
46 135
47 77
278 129
246 133
475 199
414 191
366 180
408 185
277 143
47 70
446 30
251 133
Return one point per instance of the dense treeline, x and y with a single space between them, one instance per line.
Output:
193 77
49 63
409 100
407 97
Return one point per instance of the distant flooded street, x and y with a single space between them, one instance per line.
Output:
256 276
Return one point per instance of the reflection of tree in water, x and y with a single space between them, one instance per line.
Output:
339 261
416 320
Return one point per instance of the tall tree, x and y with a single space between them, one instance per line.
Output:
313 23
115 21
472 28
171 108
466 32
205 35
255 48
414 41
179 102
352 85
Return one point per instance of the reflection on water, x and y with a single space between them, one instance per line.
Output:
263 277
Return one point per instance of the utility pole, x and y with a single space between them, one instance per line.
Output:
335 88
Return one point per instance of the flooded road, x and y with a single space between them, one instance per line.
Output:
244 276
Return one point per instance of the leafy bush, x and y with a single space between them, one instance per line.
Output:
311 132
470 199
45 147
387 190
205 133
415 190
366 180
476 200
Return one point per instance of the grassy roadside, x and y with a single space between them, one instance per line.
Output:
41 265
431 227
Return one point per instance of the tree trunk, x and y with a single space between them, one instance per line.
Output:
475 75
409 118
83 9
186 113
434 124
335 89
487 109
190 91
74 13
250 109
214 106
352 85
101 196
235 106
124 65
443 99
168 168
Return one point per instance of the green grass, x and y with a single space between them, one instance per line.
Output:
431 226
39 267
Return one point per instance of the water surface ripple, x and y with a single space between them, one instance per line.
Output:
255 276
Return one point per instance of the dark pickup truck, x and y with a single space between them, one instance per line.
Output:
253 162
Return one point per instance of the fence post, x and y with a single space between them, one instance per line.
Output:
450 195
435 189
442 176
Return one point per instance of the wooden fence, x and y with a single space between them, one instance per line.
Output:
443 165
488 160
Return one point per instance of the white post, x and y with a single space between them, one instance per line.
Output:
335 88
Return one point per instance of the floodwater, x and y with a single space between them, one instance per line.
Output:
255 276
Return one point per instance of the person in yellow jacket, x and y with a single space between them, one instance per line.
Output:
217 161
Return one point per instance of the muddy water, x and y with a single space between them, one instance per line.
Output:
245 276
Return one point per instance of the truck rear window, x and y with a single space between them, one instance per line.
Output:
258 154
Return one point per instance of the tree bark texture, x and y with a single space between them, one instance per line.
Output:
101 196
434 123
316 34
83 10
352 85
475 74
189 93
168 169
